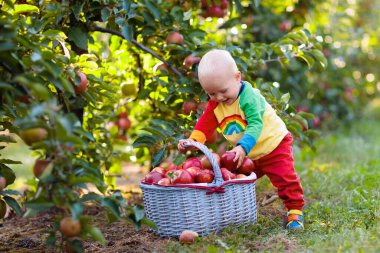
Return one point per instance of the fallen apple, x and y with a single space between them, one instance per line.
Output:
188 236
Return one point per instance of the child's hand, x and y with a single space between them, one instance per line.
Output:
181 146
240 154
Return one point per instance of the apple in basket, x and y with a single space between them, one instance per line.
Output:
191 162
206 164
227 161
182 176
164 181
159 170
204 176
239 176
153 177
193 171
227 175
246 167
171 167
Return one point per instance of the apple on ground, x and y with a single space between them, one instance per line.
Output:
153 177
174 37
227 175
192 162
70 227
204 176
188 236
246 167
182 176
227 161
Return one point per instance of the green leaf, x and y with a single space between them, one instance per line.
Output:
308 59
9 161
231 23
111 206
13 204
158 157
301 120
138 212
10 192
285 97
144 141
306 115
76 210
8 173
148 222
318 55
153 9
22 8
7 138
96 234
79 37
127 32
239 7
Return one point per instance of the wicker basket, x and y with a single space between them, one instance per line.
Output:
203 208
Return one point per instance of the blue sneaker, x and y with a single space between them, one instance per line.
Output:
295 220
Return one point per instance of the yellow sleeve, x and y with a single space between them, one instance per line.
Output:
198 136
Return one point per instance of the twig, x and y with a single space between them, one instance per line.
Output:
267 201
142 47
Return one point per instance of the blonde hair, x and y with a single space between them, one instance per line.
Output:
214 61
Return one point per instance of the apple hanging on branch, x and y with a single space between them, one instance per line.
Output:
80 87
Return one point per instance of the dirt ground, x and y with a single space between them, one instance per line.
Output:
18 234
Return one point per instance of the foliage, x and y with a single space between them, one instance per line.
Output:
94 77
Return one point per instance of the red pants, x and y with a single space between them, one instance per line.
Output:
279 167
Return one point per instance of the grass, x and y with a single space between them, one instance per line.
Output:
341 182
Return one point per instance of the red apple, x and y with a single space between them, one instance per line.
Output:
206 164
192 162
189 106
227 161
188 236
153 177
285 26
204 176
227 175
159 170
182 177
193 171
316 121
39 167
216 11
163 67
202 106
124 123
174 37
164 181
190 60
123 114
224 4
171 167
82 87
246 167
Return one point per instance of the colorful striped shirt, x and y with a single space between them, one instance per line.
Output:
250 122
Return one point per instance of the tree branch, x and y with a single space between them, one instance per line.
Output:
142 47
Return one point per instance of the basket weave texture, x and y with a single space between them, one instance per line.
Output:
201 209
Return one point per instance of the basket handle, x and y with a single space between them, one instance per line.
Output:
218 179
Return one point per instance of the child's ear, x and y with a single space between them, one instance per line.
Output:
238 76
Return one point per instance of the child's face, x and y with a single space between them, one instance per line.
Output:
222 88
